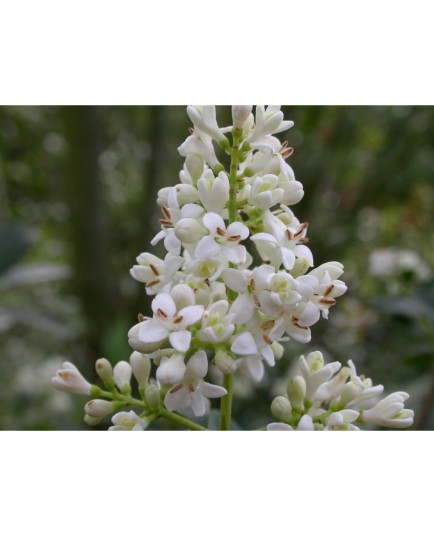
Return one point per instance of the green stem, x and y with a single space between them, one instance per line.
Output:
226 403
228 379
179 419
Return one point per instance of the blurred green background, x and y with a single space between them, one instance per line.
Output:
77 205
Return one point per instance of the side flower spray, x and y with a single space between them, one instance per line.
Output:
214 304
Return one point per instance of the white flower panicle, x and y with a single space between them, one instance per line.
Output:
333 397
212 305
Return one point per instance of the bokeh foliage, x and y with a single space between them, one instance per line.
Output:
77 205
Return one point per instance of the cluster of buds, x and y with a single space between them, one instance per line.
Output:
211 304
332 397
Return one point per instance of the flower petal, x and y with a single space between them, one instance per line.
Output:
212 391
213 221
197 365
164 302
191 314
152 331
244 344
176 398
171 370
235 279
180 340
207 248
197 403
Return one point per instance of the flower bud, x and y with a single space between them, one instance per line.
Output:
152 396
91 421
301 266
122 376
189 230
140 346
296 390
182 295
348 393
105 372
99 408
224 362
141 367
278 350
70 380
195 166
281 408
240 114
186 193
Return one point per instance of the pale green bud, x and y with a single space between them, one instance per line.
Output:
105 372
152 396
296 390
240 114
99 408
301 266
281 408
224 362
348 393
195 165
141 366
189 230
91 421
278 350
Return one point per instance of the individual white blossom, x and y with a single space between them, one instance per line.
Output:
390 412
128 421
192 390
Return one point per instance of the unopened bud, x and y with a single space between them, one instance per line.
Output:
278 350
122 376
195 165
348 393
224 362
296 390
301 266
281 408
141 367
152 396
240 114
105 372
189 230
140 346
91 421
99 408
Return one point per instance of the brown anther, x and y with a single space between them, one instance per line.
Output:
285 144
160 312
304 240
257 302
252 284
166 213
329 290
297 325
220 232
166 223
289 235
191 388
234 238
286 152
327 301
140 317
268 324
152 267
176 388
190 130
303 226
152 283
178 319
267 339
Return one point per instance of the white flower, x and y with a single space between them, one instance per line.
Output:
268 121
305 424
222 241
315 373
127 421
282 244
390 412
213 191
265 192
157 275
205 269
185 193
171 369
250 287
342 420
192 389
217 324
204 118
168 323
200 144
70 380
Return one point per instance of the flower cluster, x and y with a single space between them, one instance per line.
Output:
332 397
211 302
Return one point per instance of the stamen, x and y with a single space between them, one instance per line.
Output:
160 312
176 388
234 238
166 213
267 339
220 232
252 284
303 226
152 283
289 235
329 290
140 317
297 325
178 319
190 130
257 302
152 267
268 324
327 301
191 388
